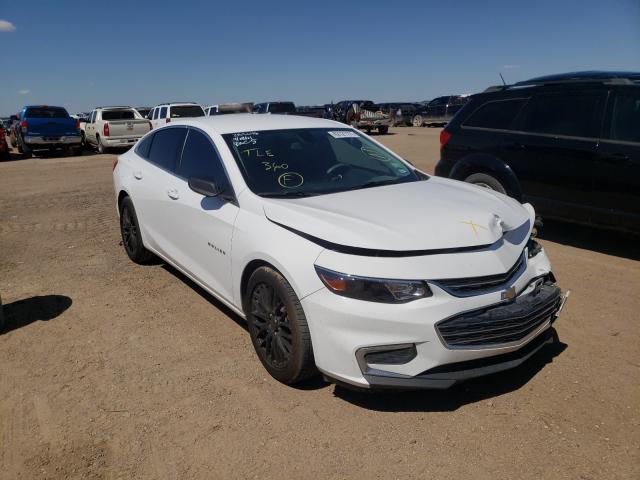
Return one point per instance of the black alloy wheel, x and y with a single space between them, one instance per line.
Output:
271 322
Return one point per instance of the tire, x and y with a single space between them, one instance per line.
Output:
486 181
278 327
1 316
101 147
383 130
130 233
417 121
83 141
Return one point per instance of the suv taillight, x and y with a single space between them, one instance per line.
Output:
105 130
23 125
444 138
168 120
78 125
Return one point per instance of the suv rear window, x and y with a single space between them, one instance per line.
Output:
118 115
187 111
46 112
571 115
497 114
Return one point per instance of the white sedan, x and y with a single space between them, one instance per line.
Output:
342 257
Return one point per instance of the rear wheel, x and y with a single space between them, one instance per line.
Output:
486 181
417 121
383 130
278 327
131 236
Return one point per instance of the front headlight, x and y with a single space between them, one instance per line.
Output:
373 289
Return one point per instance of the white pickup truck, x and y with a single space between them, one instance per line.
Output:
111 127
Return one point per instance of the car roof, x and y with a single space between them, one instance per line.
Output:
115 107
247 122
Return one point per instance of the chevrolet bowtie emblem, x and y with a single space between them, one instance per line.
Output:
474 226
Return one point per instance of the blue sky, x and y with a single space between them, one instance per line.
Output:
81 54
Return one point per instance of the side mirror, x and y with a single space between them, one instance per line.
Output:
205 187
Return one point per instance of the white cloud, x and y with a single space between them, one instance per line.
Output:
510 67
6 26
24 91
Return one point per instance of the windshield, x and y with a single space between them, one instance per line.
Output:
118 115
186 111
304 162
46 112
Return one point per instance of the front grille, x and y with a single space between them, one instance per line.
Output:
502 323
466 287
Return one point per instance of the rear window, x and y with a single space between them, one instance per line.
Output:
187 111
570 115
46 112
285 107
498 114
118 115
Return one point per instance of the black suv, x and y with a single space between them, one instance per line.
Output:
569 144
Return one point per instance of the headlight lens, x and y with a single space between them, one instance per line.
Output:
373 289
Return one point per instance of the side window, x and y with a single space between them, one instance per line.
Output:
571 115
163 112
200 159
498 114
166 147
154 114
144 145
625 120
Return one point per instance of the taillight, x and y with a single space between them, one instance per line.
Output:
23 125
78 125
105 130
358 117
444 138
168 120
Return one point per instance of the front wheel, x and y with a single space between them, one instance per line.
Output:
486 181
278 327
417 121
131 235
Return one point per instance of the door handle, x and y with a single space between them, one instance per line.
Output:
137 175
173 194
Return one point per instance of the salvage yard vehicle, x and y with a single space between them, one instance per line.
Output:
439 111
4 146
568 143
168 112
362 114
43 127
114 127
341 256
226 108
283 108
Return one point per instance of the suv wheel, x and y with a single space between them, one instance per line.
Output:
486 181
418 121
131 236
383 130
278 327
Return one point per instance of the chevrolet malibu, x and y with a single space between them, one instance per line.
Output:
342 257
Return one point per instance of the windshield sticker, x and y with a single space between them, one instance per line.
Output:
274 167
290 180
343 134
245 138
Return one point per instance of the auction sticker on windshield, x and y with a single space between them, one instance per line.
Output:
343 134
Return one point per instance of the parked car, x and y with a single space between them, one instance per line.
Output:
167 112
402 113
225 108
362 114
4 146
283 108
143 111
341 256
317 111
439 111
113 127
569 144
44 127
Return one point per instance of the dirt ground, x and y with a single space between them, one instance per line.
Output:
117 371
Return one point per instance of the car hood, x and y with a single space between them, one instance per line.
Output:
434 214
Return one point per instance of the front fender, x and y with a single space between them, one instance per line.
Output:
484 163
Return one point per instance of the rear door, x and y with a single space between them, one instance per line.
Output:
435 111
90 129
617 166
154 189
204 225
553 151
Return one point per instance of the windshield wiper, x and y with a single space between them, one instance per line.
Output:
286 194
